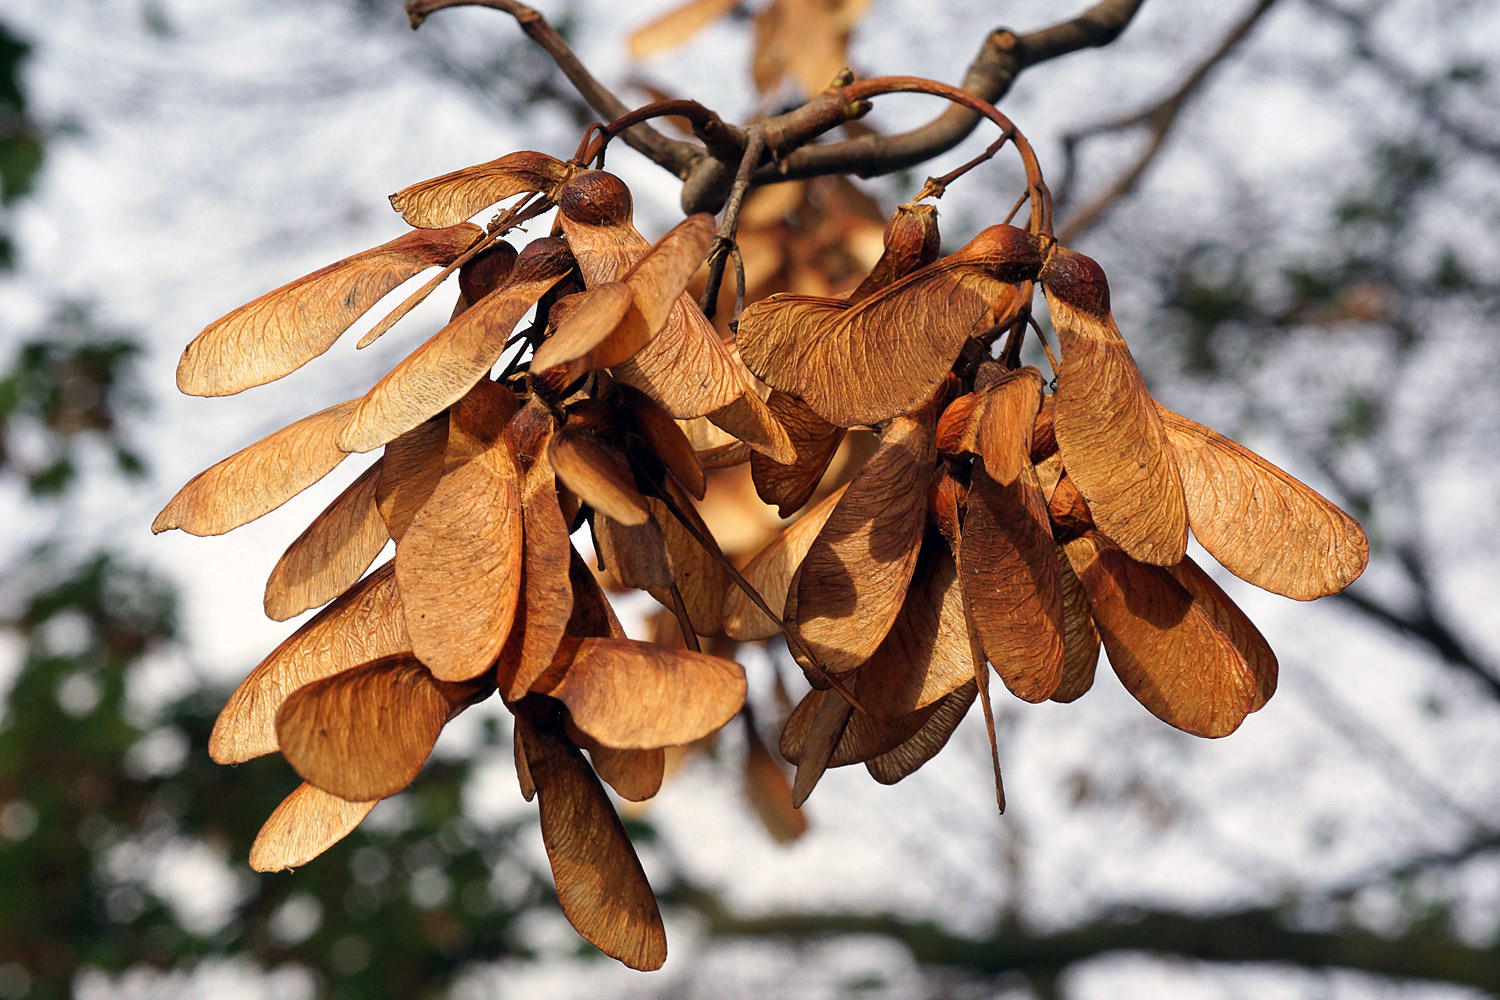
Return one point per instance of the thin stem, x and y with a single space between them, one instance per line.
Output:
498 227
1041 199
724 241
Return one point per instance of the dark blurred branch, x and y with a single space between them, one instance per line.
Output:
1159 118
708 174
1002 57
1253 935
1423 625
1426 93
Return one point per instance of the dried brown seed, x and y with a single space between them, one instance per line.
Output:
331 554
921 746
459 563
770 572
454 197
1261 524
851 584
698 576
1080 637
1162 642
995 424
664 436
364 624
1235 624
365 733
636 695
600 885
1108 431
635 775
548 592
258 479
789 486
926 654
285 329
439 373
409 472
1010 576
901 340
308 822
589 466
864 736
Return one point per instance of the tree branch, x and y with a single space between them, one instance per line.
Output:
1002 57
1252 935
673 154
1160 116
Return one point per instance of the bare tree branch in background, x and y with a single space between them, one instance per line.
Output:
1159 118
708 173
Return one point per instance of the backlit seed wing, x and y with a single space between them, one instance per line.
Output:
596 474
748 418
637 695
714 447
676 26
439 373
635 775
260 478
600 885
814 439
887 353
769 792
409 472
635 554
459 563
1234 623
331 554
1162 642
921 746
285 329
654 284
1003 424
1108 431
863 736
595 328
699 577
308 822
666 439
770 573
1080 637
926 655
364 624
365 733
549 594
660 277
829 723
773 330
1261 524
1009 566
454 197
853 580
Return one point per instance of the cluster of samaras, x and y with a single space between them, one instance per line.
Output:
992 523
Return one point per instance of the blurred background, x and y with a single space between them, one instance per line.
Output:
1298 204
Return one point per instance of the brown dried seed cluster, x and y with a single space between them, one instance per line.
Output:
957 516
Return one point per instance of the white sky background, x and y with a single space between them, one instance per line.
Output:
251 143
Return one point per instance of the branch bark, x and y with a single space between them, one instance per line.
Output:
708 174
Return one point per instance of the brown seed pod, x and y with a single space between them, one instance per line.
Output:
285 329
